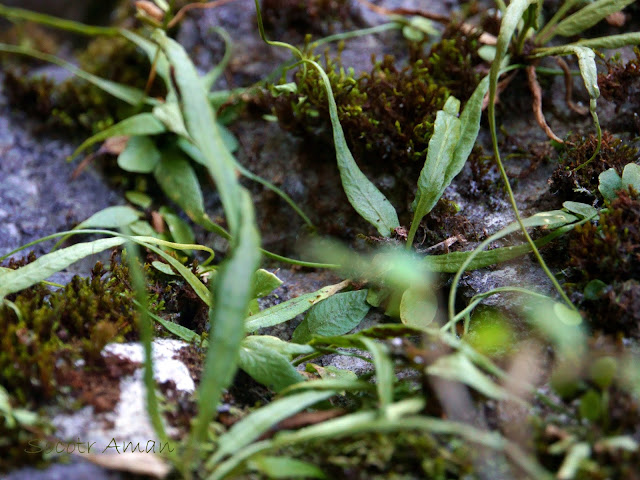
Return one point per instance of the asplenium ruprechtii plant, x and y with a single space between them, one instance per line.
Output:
171 166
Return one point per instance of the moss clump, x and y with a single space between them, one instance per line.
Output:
75 105
387 114
617 84
609 253
581 185
57 328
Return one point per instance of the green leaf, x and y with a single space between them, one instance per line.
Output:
263 283
385 376
631 177
611 41
141 124
287 349
288 310
418 307
594 289
140 199
193 152
170 115
458 367
581 209
153 52
432 180
111 217
179 182
603 372
130 95
567 315
200 120
591 406
609 184
180 230
55 22
569 339
572 462
336 315
232 292
588 16
140 155
267 366
453 262
511 19
43 267
163 267
259 421
179 331
284 467
363 195
469 128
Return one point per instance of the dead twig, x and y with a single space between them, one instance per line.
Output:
568 85
536 91
195 6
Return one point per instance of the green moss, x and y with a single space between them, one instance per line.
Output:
581 185
609 251
387 114
57 328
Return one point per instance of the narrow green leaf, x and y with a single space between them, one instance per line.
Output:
363 195
111 217
588 16
170 115
577 454
46 265
338 314
179 182
259 421
284 467
288 310
154 54
267 366
130 95
193 152
200 121
180 230
432 180
140 155
232 292
179 331
452 262
141 124
139 199
609 184
458 367
469 128
287 349
582 209
210 78
384 370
